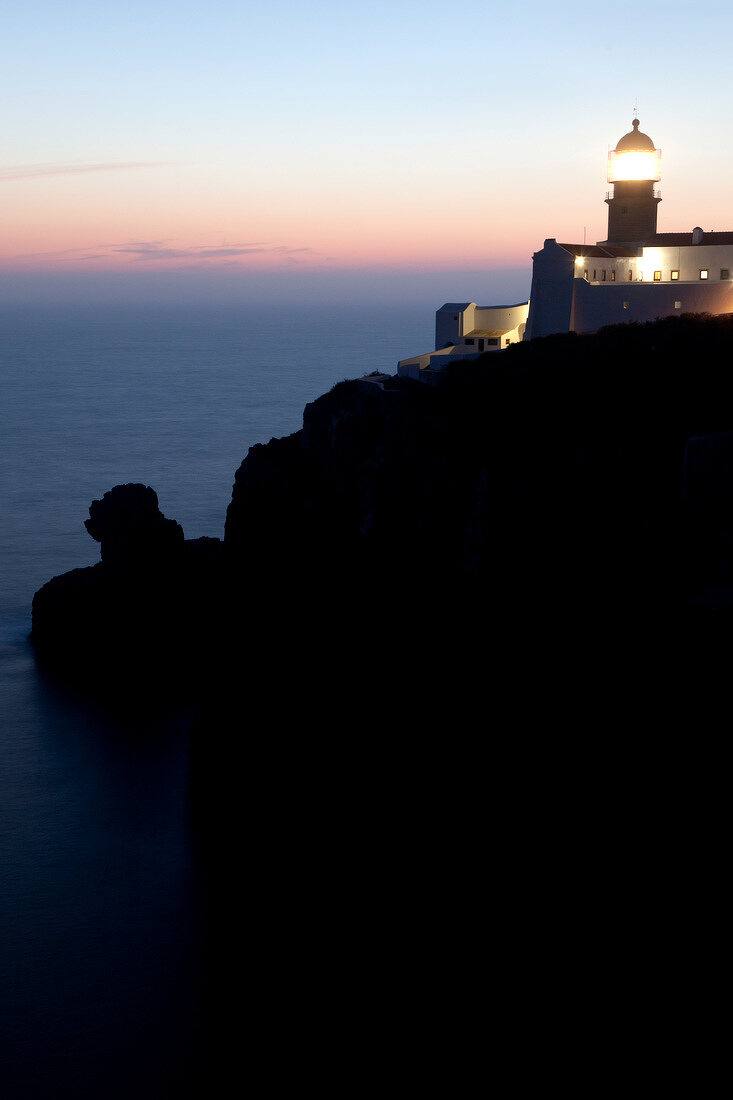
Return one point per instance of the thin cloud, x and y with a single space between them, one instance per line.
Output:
40 171
155 251
65 253
164 251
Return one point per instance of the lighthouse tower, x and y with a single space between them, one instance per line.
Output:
633 169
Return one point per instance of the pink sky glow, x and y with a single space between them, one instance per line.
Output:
283 138
130 215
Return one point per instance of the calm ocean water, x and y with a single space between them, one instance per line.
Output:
102 944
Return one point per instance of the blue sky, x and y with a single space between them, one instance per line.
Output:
287 144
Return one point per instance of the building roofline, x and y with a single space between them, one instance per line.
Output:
715 237
515 305
610 251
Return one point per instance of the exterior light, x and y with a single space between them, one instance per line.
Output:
636 164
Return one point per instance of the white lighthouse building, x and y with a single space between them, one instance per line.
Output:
636 274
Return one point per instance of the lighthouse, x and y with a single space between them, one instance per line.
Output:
634 166
636 274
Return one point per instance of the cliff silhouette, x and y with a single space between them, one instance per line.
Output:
564 504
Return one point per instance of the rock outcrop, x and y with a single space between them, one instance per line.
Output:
137 622
131 528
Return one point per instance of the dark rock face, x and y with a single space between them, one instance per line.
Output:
531 503
462 612
365 485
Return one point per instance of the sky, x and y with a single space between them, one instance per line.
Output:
252 151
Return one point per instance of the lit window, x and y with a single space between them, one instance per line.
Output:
657 276
613 274
674 276
585 274
725 273
640 276
678 305
631 275
703 273
626 305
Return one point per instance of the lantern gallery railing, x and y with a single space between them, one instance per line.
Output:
657 194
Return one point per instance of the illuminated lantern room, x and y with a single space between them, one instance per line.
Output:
634 166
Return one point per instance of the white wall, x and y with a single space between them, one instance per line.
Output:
687 259
595 305
510 317
450 324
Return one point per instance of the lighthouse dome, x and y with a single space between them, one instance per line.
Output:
635 141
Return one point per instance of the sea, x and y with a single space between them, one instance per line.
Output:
104 946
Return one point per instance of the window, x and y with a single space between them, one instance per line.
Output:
507 341
585 274
631 274
678 305
493 341
603 275
626 305
469 340
725 273
613 274
674 276
640 275
657 276
594 275
703 273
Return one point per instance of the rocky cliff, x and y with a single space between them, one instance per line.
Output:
531 499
